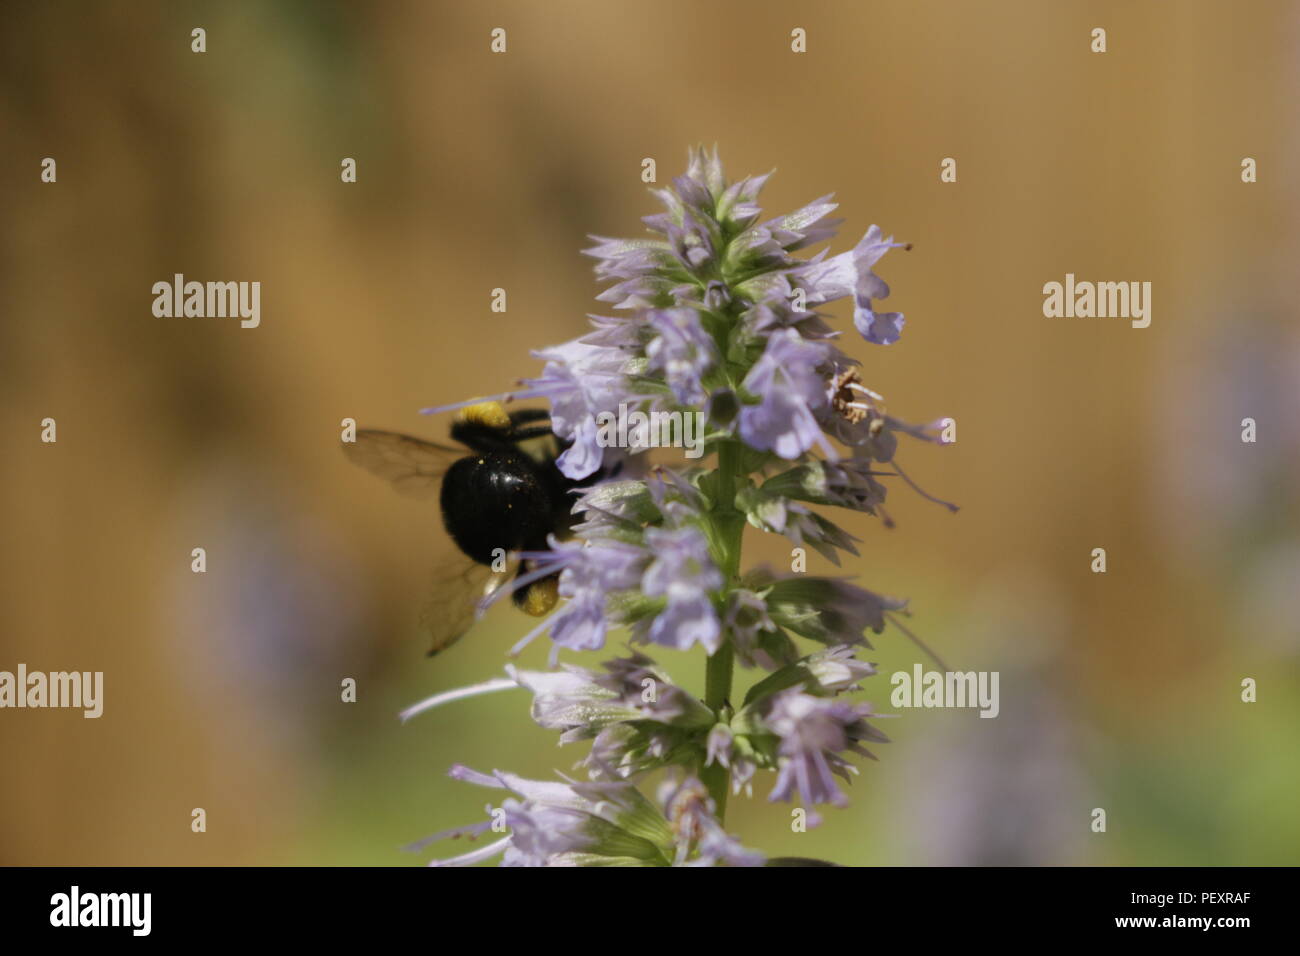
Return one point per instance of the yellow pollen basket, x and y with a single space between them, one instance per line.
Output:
542 596
492 414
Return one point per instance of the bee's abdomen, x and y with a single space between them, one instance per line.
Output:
493 501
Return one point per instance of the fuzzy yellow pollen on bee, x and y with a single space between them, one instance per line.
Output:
491 414
541 596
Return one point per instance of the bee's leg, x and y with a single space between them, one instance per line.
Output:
487 426
483 427
521 416
539 597
482 438
487 414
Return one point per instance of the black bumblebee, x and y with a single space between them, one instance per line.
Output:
504 495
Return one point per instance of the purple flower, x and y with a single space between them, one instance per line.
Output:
775 513
835 670
598 823
564 824
738 205
681 350
829 610
851 273
630 259
541 833
748 625
638 292
825 673
683 572
789 386
807 226
813 733
637 682
725 749
569 700
695 825
881 328
714 314
581 703
591 571
849 483
692 241
581 381
599 567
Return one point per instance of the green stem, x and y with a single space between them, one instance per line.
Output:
729 527
717 684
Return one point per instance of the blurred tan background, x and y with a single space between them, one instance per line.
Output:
476 171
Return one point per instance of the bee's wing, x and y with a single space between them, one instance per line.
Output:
415 468
412 465
460 587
